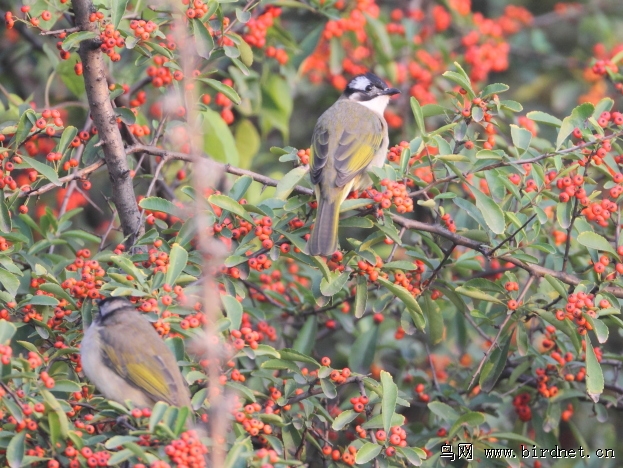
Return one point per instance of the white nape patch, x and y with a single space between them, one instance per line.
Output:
360 83
376 105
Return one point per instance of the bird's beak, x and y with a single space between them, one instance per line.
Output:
391 91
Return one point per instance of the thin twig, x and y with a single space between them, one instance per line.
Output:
494 343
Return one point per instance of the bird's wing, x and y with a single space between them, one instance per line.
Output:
354 147
146 365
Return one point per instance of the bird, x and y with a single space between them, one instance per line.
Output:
349 138
126 359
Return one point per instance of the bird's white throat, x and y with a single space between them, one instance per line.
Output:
376 105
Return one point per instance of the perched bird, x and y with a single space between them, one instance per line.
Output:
126 359
349 138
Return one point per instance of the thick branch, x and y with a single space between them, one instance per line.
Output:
105 121
535 270
173 155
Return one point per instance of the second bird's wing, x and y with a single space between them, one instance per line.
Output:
353 147
149 366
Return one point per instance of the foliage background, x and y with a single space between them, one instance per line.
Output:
415 355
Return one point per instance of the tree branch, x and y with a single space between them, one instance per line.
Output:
105 121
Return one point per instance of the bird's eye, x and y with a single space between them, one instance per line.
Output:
369 87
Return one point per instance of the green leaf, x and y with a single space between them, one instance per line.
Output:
475 293
412 455
344 418
367 452
234 311
408 300
493 88
361 296
578 118
444 411
293 355
388 403
461 79
157 413
557 285
161 205
248 143
334 284
376 422
7 330
26 122
74 39
306 338
126 115
362 352
491 211
521 138
417 113
594 373
178 259
66 138
544 118
471 419
218 141
288 181
117 10
379 37
43 169
5 218
203 39
328 388
15 450
595 241
57 419
9 281
230 205
222 88
494 366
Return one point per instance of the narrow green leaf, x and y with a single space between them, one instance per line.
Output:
25 124
178 259
594 373
234 311
286 184
557 285
361 296
417 113
117 10
15 450
593 240
7 330
491 211
476 294
471 419
47 171
444 411
521 138
203 39
230 205
544 118
388 404
344 418
367 452
74 39
306 338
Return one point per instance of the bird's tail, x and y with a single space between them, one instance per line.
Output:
323 239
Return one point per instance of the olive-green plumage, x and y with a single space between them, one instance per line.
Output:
349 138
127 360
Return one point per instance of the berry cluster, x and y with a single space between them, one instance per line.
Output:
187 451
111 38
522 408
395 193
258 27
196 8
143 29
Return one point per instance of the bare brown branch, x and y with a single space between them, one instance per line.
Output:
105 121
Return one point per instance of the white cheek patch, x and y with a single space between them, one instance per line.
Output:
360 83
376 105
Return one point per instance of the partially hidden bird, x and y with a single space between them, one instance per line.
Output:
349 138
126 359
